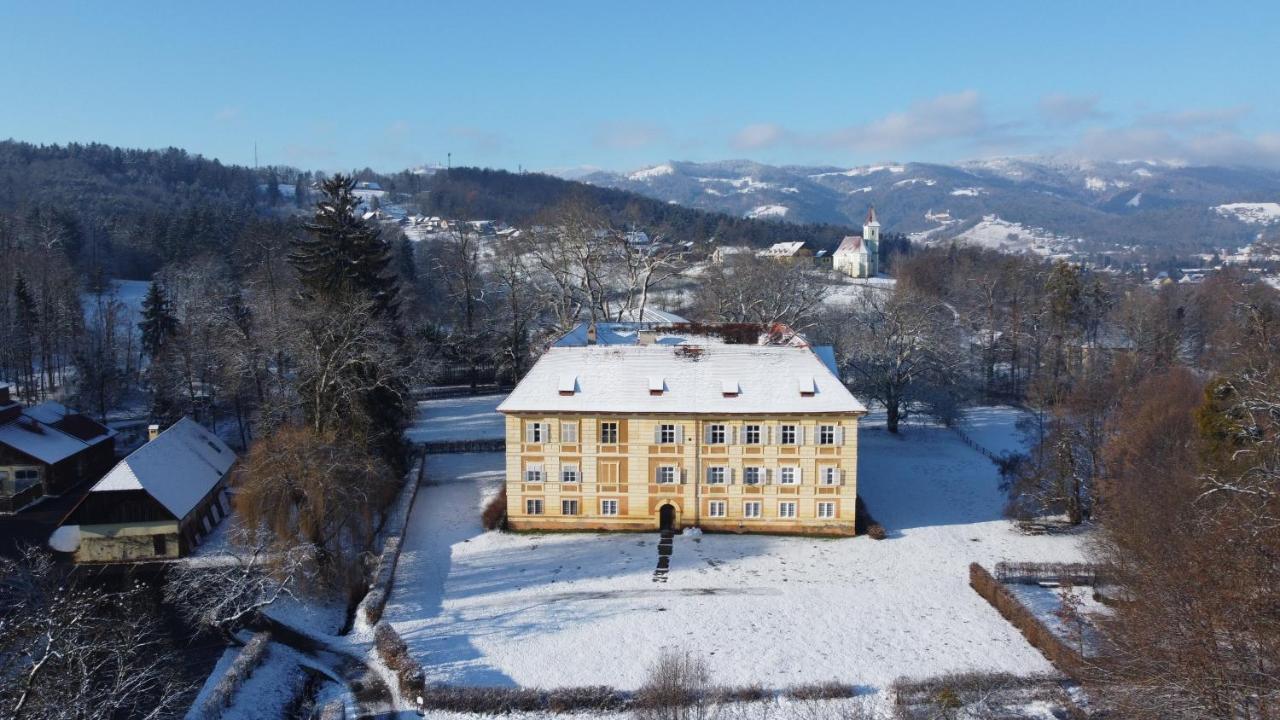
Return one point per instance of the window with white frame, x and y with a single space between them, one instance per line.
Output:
667 474
568 507
717 435
788 475
830 476
608 507
532 507
569 432
569 473
786 509
717 475
826 509
716 508
534 432
826 434
788 434
609 432
666 434
751 509
751 435
752 475
533 473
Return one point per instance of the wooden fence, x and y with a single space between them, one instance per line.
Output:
447 447
1029 573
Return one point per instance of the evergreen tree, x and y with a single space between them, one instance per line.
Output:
342 254
28 321
273 189
158 324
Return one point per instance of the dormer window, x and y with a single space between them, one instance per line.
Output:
808 387
568 384
730 388
657 385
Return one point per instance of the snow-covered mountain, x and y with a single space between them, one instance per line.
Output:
1096 205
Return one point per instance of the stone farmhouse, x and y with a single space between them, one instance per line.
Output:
646 426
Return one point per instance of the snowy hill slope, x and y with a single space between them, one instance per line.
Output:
1151 204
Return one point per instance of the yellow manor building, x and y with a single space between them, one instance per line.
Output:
641 426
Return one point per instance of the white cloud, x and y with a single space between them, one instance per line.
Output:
1061 109
959 116
757 136
627 135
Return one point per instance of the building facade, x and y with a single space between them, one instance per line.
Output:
647 427
48 450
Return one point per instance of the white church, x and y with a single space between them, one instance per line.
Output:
860 256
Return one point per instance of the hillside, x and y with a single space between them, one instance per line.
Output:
1155 206
520 198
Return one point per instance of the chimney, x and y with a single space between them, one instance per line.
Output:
153 431
591 334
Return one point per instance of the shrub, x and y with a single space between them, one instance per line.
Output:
749 693
676 689
494 516
1041 637
395 654
592 697
486 700
830 690
864 524
249 658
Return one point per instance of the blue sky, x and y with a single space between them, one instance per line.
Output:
554 85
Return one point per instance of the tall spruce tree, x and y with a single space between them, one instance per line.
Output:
344 263
342 254
158 324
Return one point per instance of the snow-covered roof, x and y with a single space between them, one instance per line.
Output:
44 433
178 468
783 249
694 379
851 244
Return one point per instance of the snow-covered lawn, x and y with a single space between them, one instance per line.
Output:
995 428
577 609
466 418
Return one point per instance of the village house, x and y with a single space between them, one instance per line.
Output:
48 450
642 426
787 251
155 504
859 257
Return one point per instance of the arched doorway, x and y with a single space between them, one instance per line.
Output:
667 517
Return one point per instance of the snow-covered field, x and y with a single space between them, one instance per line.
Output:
466 418
999 234
577 609
1264 213
995 428
129 293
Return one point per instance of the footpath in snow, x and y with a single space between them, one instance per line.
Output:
550 610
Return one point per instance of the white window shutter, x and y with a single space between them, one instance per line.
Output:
733 435
657 434
839 435
768 476
684 476
799 434
680 434
799 474
840 476
657 473
731 476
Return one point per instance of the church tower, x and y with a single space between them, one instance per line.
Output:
871 240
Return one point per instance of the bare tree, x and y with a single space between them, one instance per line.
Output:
902 350
749 289
68 650
226 593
